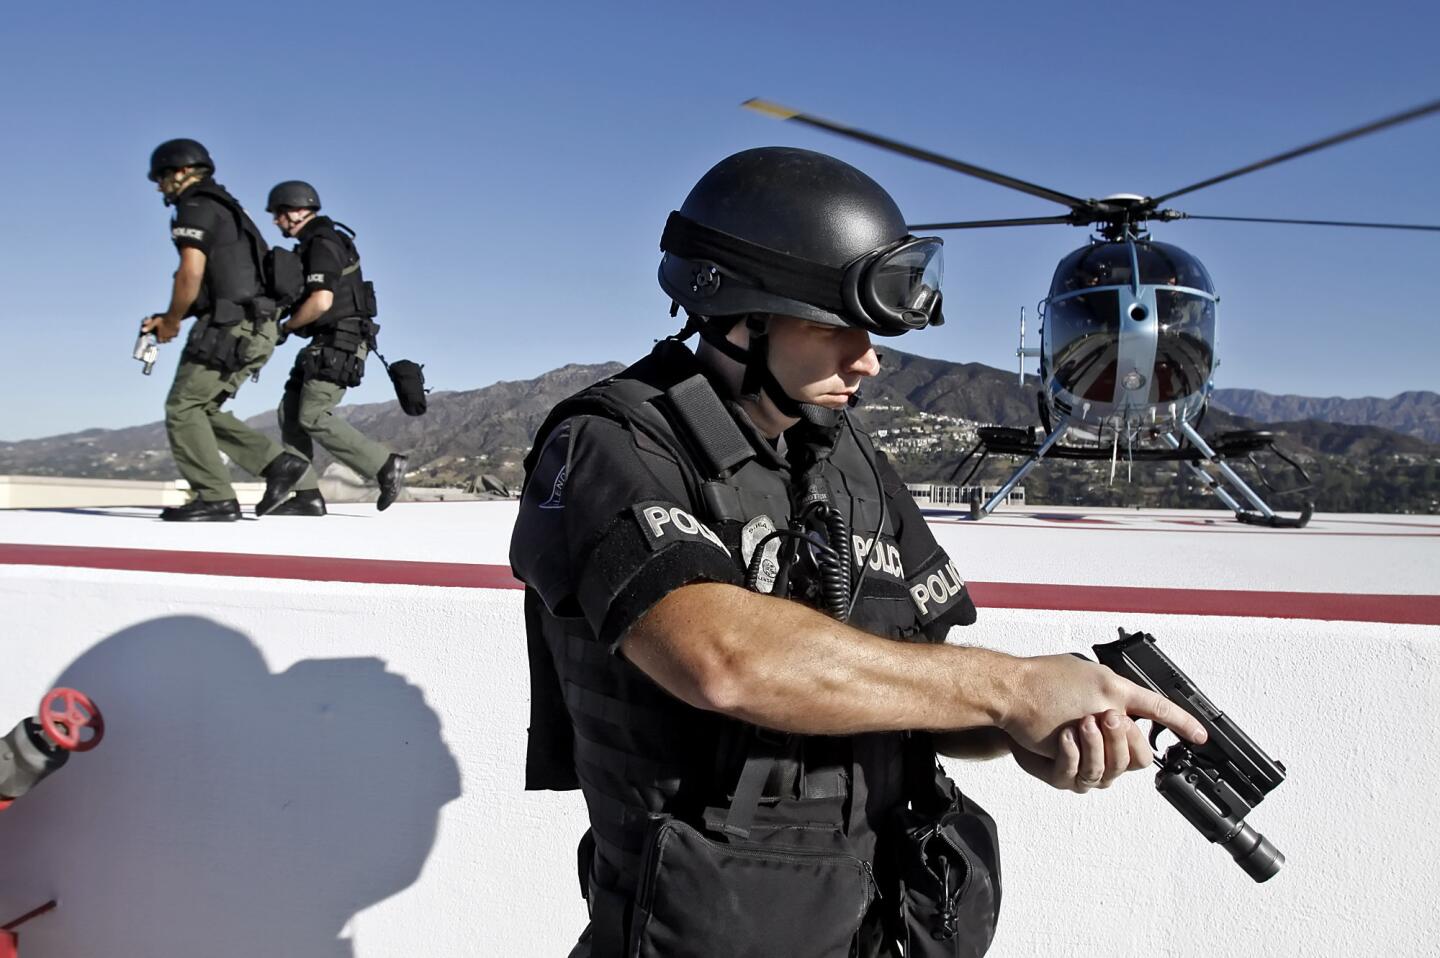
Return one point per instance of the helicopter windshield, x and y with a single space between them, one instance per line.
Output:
1185 347
1084 332
1111 264
1164 265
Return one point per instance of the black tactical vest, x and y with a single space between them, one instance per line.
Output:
234 269
354 297
639 754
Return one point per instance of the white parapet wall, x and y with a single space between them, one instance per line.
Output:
334 768
52 492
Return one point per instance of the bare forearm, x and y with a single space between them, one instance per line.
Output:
782 665
317 304
182 295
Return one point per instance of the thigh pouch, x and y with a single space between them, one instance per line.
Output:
949 874
215 341
704 897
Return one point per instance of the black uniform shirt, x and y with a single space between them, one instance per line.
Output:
608 526
323 252
201 222
607 529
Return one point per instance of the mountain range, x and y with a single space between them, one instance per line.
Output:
1378 456
1414 413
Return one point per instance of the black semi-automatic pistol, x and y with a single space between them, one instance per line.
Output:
1214 785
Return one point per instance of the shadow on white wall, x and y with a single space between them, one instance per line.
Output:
230 811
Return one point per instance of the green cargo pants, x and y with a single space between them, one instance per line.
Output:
307 416
200 429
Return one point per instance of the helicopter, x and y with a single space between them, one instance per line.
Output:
1127 333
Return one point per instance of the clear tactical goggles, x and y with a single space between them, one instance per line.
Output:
890 290
898 287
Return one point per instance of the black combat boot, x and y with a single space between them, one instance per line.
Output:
392 481
201 510
306 502
280 477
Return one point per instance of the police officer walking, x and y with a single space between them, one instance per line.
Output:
336 314
736 613
221 282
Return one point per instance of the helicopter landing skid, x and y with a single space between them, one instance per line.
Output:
1027 442
1262 515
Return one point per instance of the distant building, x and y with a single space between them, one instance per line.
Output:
936 494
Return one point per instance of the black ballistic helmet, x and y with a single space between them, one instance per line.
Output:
176 154
797 233
292 195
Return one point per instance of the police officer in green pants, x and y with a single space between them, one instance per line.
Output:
336 313
220 281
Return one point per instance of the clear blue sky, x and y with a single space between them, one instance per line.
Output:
509 167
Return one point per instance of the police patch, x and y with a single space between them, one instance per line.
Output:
664 524
554 460
882 557
557 491
936 592
188 232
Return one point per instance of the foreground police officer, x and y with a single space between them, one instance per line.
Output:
718 567
221 281
337 315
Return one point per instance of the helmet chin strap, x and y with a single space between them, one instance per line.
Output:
756 360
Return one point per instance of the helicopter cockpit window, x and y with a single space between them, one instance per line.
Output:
1164 265
1084 333
1185 347
1100 264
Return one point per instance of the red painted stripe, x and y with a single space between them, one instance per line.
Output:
1350 607
1220 528
311 568
1345 607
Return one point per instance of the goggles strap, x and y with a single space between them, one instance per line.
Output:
768 269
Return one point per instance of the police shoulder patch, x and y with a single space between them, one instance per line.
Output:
936 590
664 524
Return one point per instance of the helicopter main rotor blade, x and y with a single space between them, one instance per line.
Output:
1359 131
980 224
894 146
1263 219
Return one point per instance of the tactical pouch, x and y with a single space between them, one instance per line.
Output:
284 275
262 309
332 365
227 314
949 873
365 303
409 380
214 342
701 898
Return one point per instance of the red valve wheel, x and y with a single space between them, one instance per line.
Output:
75 713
